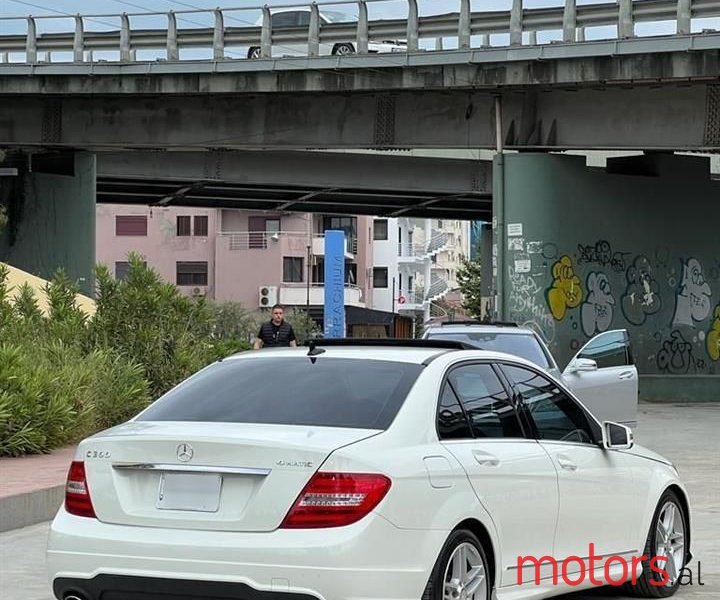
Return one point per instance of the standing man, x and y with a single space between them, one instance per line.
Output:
276 331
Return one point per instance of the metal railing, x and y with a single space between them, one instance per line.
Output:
437 243
409 299
437 289
258 240
411 250
572 19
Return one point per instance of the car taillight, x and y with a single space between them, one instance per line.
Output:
336 499
77 493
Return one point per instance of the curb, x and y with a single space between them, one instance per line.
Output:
30 508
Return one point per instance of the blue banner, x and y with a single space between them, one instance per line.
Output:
334 314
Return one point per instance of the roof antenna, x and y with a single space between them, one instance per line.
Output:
314 350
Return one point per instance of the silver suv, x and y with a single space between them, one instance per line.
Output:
602 374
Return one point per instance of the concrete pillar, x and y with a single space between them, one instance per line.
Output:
52 218
576 266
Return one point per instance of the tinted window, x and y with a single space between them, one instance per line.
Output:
304 18
285 19
337 17
452 423
519 344
485 401
331 392
555 414
608 350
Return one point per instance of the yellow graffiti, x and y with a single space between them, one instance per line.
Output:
566 291
713 337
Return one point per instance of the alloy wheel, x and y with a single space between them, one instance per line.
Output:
465 575
670 541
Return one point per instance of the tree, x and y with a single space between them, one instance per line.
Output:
468 276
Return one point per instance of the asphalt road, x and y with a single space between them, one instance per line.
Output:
686 434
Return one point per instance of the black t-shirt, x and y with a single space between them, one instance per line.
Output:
276 335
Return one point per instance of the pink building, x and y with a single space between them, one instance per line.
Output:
256 258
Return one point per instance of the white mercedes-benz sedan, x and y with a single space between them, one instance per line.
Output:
365 469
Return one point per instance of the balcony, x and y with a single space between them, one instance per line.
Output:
296 294
411 252
409 300
292 243
318 246
414 252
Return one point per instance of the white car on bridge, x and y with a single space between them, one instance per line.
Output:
300 17
365 469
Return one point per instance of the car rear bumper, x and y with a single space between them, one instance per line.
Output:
127 587
369 559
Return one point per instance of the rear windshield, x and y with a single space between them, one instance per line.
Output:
331 392
523 345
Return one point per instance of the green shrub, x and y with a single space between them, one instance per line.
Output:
54 395
148 321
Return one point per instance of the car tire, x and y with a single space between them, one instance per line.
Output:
343 49
657 543
450 559
254 52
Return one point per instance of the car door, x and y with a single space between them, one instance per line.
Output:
512 476
298 45
597 500
602 375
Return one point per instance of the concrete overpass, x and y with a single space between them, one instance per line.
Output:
644 93
329 182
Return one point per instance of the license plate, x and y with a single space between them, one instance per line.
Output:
198 492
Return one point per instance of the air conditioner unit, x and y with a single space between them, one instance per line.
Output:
267 296
199 291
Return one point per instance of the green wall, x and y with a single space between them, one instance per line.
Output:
636 246
53 219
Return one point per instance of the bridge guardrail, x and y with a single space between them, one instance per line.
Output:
572 19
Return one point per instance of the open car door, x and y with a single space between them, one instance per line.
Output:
602 375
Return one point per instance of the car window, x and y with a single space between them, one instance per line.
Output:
556 416
332 16
452 422
523 345
285 19
304 18
486 403
332 392
610 349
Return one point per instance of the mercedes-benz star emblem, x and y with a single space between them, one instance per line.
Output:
185 452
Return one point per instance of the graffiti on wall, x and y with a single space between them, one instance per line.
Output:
692 303
665 301
526 304
597 310
566 291
676 356
712 341
601 253
642 297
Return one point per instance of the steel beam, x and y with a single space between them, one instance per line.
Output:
322 170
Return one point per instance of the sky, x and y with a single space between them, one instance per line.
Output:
245 15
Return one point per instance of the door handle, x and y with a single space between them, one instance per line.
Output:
626 375
566 463
485 459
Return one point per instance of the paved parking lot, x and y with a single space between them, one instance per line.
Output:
687 434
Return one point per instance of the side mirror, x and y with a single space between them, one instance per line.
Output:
582 365
616 436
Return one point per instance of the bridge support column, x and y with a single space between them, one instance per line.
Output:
51 215
635 247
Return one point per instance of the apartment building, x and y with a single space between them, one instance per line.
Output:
257 259
416 262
